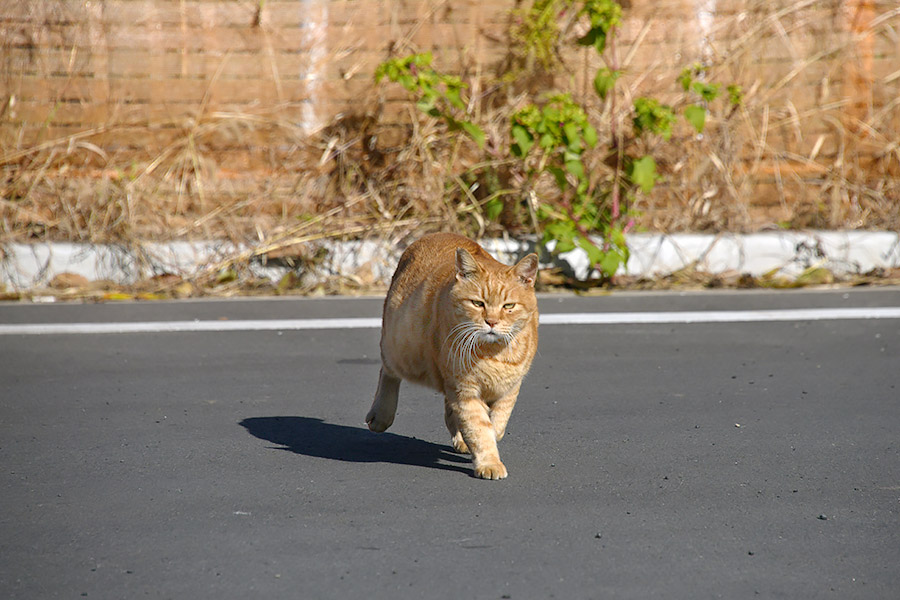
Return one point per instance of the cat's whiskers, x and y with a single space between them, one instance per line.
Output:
512 338
453 338
463 338
510 341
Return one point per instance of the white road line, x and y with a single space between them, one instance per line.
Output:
613 318
722 316
188 326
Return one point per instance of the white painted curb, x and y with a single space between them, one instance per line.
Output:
28 266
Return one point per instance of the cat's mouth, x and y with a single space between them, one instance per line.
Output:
491 337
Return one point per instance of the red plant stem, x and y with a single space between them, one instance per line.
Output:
567 205
614 66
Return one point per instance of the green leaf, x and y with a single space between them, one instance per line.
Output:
610 263
564 234
493 208
573 140
707 91
595 254
596 37
590 135
560 176
735 95
454 97
426 105
581 190
576 168
605 81
407 81
421 60
523 140
569 154
686 78
474 131
696 116
563 246
652 116
643 173
617 238
590 38
548 141
551 114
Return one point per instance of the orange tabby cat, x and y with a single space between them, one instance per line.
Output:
460 322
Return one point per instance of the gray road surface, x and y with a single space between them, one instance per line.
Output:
729 460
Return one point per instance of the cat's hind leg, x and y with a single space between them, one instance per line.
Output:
384 407
456 438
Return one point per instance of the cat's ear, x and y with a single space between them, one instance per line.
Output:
526 269
466 267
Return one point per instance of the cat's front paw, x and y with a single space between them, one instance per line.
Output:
491 470
375 424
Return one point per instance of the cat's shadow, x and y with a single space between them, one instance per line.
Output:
314 437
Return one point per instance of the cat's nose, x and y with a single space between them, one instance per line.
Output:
491 322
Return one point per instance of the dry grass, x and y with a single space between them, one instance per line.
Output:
782 159
813 144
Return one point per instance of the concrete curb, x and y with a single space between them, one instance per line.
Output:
31 266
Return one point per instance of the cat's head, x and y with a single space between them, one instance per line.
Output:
494 302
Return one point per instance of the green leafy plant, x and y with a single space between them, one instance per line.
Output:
642 172
604 15
437 94
554 137
535 32
652 117
692 80
559 133
605 81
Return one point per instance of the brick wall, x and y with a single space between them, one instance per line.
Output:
72 66
133 77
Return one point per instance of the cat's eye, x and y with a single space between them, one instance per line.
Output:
509 305
477 303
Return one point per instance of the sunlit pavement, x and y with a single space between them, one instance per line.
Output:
646 459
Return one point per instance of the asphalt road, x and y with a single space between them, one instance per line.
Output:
705 460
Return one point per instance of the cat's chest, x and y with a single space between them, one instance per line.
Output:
495 378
